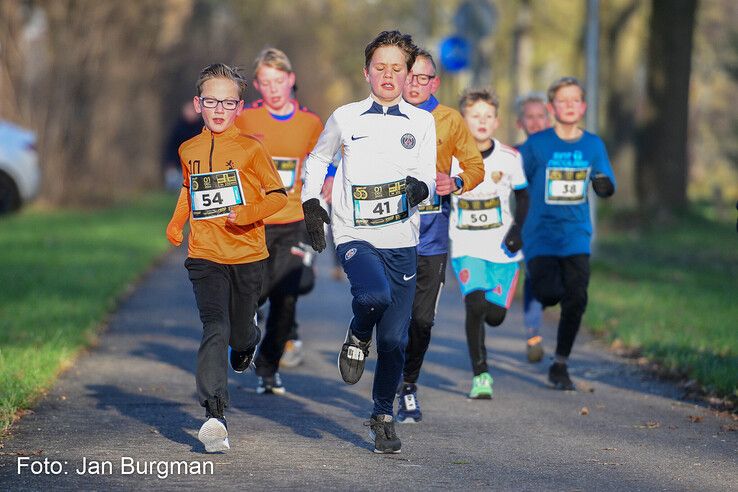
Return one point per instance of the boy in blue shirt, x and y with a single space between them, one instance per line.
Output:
559 164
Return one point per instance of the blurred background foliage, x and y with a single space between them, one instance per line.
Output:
102 82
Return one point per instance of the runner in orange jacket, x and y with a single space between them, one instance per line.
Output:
229 187
289 132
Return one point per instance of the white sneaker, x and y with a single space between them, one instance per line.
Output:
214 435
292 356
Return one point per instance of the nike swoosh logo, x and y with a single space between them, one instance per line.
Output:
406 278
358 138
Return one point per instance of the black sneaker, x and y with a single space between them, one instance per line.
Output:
241 361
558 375
270 385
382 432
352 358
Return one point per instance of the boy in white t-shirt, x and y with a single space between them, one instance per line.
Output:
485 237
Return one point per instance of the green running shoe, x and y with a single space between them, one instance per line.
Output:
481 387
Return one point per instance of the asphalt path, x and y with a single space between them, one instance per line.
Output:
125 415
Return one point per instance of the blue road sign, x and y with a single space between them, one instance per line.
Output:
455 53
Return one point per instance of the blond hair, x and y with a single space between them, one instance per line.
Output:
564 82
473 95
272 57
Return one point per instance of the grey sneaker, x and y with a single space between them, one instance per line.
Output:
270 385
382 432
352 358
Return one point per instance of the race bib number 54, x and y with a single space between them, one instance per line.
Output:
378 205
213 194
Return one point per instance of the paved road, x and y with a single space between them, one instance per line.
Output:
131 400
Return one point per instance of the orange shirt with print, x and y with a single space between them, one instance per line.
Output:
218 239
288 140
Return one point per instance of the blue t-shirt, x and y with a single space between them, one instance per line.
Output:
559 172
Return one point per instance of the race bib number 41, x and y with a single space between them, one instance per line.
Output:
378 205
479 214
213 194
566 186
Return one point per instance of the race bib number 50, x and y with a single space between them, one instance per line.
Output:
479 214
213 194
378 205
566 186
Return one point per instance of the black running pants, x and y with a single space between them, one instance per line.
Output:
564 280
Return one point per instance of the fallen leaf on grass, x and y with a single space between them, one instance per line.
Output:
729 427
584 411
696 418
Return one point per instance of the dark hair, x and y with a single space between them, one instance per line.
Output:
392 38
426 54
222 71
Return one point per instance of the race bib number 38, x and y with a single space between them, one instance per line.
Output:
479 214
213 194
378 205
566 186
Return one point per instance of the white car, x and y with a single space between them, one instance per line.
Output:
20 175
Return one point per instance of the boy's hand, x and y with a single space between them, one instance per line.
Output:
315 217
327 190
445 184
174 234
513 241
416 191
239 215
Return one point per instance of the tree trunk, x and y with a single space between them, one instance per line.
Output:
662 158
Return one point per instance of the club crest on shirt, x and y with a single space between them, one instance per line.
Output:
408 140
350 254
464 276
496 176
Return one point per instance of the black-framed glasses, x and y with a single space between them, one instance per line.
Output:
211 102
422 78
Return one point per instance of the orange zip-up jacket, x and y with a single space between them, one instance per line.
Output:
454 140
218 239
288 141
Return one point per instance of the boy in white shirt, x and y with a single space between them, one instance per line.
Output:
388 167
485 237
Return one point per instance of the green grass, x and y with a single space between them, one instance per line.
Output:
61 274
672 294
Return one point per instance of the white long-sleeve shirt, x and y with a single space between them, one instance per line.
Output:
380 145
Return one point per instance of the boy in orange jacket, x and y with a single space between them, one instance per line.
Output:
229 187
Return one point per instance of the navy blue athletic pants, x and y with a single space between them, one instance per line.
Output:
383 287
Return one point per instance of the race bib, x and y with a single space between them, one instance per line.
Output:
379 205
566 186
213 194
478 214
287 169
433 208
